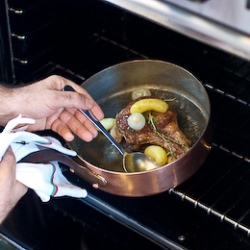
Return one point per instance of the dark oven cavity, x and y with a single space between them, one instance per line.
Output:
76 39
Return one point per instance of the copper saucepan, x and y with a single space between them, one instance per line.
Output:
112 88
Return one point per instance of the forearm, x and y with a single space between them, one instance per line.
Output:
5 104
11 102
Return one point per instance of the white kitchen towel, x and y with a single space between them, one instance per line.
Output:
45 179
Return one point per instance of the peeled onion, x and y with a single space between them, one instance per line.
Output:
136 121
140 93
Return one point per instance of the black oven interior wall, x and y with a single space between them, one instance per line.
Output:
87 36
82 36
77 38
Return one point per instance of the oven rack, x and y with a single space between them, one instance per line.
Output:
229 92
208 208
239 179
239 165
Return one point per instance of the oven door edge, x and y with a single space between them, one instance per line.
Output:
189 24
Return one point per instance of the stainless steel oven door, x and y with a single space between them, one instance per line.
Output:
235 14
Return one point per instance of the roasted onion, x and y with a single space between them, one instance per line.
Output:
136 121
140 92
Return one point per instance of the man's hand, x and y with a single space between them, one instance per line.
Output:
53 108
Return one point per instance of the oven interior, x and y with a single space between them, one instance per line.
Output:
211 210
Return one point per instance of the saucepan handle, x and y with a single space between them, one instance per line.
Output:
47 155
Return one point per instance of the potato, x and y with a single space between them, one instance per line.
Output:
140 93
108 123
149 104
157 153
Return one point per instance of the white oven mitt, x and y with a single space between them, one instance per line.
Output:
45 179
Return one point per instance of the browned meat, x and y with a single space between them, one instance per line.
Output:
161 129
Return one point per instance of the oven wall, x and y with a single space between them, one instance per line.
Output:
45 31
66 32
6 68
